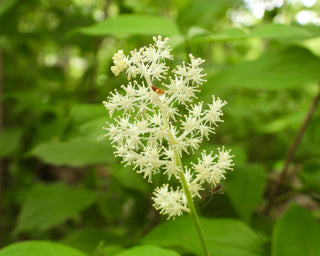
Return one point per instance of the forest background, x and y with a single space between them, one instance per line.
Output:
61 188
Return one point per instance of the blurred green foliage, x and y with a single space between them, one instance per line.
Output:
59 180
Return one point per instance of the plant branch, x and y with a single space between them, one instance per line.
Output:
290 154
193 212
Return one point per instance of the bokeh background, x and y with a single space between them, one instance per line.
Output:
59 180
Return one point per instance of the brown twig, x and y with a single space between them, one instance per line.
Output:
284 172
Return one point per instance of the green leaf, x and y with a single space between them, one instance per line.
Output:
6 5
296 233
313 29
83 113
108 250
131 179
270 31
274 31
50 205
132 25
245 186
9 141
86 122
225 35
76 152
224 237
287 68
310 176
88 239
92 130
204 12
39 248
147 250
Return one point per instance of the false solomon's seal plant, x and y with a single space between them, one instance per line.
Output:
150 134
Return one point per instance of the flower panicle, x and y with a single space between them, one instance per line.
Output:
150 133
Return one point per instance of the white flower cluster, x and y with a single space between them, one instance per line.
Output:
150 134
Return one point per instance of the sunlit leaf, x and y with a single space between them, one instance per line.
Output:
50 205
274 30
39 248
270 31
286 68
225 35
132 25
296 233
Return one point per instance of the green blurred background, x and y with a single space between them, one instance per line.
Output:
59 180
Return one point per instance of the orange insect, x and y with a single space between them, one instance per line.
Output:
157 90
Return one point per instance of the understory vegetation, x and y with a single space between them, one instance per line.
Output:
63 191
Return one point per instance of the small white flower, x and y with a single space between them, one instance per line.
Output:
120 63
193 184
150 134
170 202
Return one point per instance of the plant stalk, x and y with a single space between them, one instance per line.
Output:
183 180
192 208
186 190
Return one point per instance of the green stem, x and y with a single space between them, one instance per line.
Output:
192 208
183 180
185 187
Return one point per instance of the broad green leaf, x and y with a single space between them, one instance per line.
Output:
313 29
76 152
245 186
50 205
9 141
274 31
270 31
296 233
83 113
93 130
196 31
202 12
147 250
88 239
224 237
132 25
310 176
225 35
286 68
6 5
39 248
